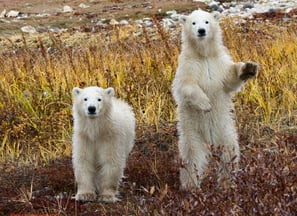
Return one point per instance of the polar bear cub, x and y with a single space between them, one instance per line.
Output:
203 86
103 136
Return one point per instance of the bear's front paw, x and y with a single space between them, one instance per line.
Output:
189 187
206 107
108 198
85 197
249 70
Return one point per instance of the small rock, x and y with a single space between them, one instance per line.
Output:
175 17
147 19
248 6
148 24
28 29
13 13
67 9
234 10
215 7
84 6
138 22
54 29
124 22
172 12
168 23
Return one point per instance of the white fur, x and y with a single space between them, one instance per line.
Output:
203 85
103 137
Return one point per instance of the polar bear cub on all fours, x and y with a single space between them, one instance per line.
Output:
103 136
204 83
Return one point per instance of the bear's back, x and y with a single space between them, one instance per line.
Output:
122 112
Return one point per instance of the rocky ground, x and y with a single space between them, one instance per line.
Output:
38 16
41 16
75 21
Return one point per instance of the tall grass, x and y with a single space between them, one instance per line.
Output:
36 82
270 99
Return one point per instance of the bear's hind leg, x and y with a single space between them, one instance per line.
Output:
228 165
194 155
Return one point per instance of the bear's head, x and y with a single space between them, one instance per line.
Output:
91 101
200 25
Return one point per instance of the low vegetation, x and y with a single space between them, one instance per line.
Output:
38 74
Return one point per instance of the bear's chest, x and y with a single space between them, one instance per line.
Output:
210 74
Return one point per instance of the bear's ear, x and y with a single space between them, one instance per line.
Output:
76 91
182 19
216 15
110 91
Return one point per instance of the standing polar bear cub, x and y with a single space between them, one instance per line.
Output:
103 136
203 85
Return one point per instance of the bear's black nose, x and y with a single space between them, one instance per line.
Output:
92 109
201 31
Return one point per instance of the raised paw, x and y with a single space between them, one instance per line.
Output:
249 70
85 197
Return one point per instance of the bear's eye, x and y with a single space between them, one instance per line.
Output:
206 22
85 99
99 99
193 23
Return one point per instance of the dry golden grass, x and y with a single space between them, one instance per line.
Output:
36 86
271 97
